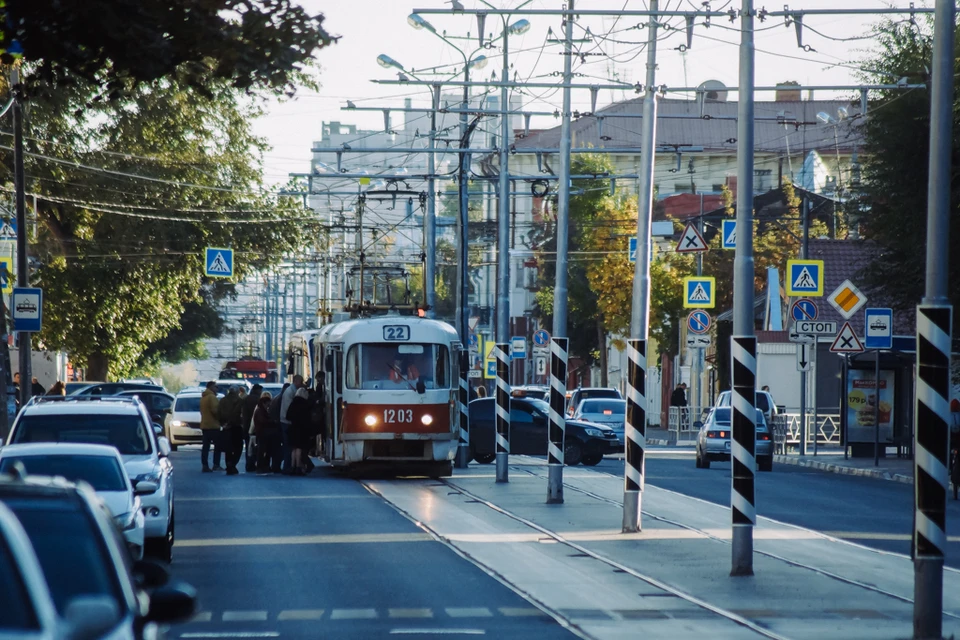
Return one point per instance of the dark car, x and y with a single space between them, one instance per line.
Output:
580 394
585 442
158 403
113 388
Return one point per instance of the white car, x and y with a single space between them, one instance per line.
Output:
182 424
122 422
98 465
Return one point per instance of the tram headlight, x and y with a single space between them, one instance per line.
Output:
426 419
371 420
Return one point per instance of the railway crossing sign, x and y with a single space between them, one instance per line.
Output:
878 329
691 241
804 277
728 234
218 262
698 322
847 299
804 309
847 341
699 292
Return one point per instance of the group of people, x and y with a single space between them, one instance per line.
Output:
279 432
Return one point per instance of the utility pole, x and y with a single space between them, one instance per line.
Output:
23 273
430 219
743 345
503 200
559 343
934 332
804 253
462 459
635 428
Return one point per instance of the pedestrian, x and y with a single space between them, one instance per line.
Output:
250 403
58 389
679 399
274 414
36 389
286 398
298 433
265 433
209 425
481 391
231 408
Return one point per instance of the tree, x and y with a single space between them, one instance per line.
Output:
129 192
114 45
895 174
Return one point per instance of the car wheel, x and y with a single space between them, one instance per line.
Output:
592 461
699 460
705 462
572 453
765 463
173 447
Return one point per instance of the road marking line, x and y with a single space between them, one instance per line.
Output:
232 634
217 499
244 616
518 612
353 614
410 613
469 612
203 616
871 535
438 632
301 614
347 538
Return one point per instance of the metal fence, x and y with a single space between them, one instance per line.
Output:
826 428
680 421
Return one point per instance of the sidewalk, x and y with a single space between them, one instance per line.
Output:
671 580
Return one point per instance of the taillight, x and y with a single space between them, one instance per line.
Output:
717 434
763 436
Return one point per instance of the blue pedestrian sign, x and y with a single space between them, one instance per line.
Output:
633 249
8 231
27 307
6 275
699 292
698 322
541 338
878 329
729 234
472 340
804 277
218 262
804 309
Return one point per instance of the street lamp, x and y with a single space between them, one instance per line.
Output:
829 120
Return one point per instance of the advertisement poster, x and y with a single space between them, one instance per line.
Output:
863 398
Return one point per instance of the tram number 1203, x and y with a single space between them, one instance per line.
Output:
391 416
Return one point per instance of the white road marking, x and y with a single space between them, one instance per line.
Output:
244 616
203 616
438 632
301 614
517 612
353 614
233 634
347 538
410 613
469 612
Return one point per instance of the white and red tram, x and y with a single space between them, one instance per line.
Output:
390 384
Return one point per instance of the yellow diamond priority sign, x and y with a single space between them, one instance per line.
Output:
847 299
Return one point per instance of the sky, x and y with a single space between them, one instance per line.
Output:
834 47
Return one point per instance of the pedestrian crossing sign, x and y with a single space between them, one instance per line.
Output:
729 233
8 231
804 277
218 262
6 275
699 292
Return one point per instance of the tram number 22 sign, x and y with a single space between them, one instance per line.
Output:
396 332
392 416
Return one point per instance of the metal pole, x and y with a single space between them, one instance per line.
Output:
640 316
560 292
803 407
555 437
5 375
502 351
804 254
23 274
463 449
463 249
876 409
503 199
743 499
430 218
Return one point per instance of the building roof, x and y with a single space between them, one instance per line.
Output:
681 122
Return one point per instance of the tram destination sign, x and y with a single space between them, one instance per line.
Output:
816 327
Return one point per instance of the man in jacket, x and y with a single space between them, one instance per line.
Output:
285 401
209 424
246 418
231 414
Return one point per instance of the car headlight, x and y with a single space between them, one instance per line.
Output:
426 419
370 420
593 433
153 476
126 521
177 423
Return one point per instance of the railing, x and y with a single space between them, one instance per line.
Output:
680 421
826 429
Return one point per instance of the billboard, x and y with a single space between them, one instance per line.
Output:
864 399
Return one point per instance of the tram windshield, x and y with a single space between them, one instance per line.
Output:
398 366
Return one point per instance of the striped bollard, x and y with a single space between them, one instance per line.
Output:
635 434
503 410
743 452
463 451
558 420
931 456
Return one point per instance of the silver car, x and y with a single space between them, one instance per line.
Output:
713 440
609 412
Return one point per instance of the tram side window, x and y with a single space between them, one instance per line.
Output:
353 367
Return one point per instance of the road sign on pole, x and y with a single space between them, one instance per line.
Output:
541 366
803 357
816 327
878 329
27 305
847 299
699 292
804 309
7 277
518 347
804 277
847 341
698 322
218 262
729 233
691 241
633 250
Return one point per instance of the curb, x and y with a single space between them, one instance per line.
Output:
842 469
671 443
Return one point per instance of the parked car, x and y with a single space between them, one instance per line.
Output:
120 422
27 611
273 388
580 394
538 391
113 388
713 439
159 403
98 465
88 572
72 387
763 399
606 411
584 442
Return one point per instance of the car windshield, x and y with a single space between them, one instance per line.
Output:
70 548
397 366
605 407
188 403
17 612
103 473
721 416
125 432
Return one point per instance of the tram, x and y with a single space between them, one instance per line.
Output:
390 383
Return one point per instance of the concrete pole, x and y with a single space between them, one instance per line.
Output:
560 292
430 218
503 200
463 250
934 330
743 271
640 316
23 272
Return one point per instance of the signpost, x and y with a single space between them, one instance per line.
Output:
218 262
699 292
804 277
691 241
803 357
695 341
804 309
846 341
27 307
518 347
878 329
847 299
698 322
816 327
729 233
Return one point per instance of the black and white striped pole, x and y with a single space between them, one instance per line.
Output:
463 451
635 434
743 452
558 419
502 352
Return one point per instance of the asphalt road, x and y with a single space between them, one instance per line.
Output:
872 512
321 557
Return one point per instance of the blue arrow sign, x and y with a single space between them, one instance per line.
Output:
218 262
729 234
633 249
878 329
